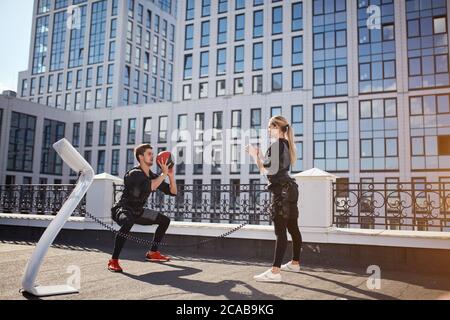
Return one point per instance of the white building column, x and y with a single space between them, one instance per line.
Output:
100 197
315 202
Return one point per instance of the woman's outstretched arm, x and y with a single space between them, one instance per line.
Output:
257 156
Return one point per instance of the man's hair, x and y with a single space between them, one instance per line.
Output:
140 150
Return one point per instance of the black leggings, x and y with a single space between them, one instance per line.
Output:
149 217
281 224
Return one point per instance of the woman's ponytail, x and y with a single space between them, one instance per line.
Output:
292 148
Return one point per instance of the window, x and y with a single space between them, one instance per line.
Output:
378 132
277 53
21 142
204 64
257 56
239 4
439 25
51 163
147 130
297 50
76 135
131 135
203 90
40 45
257 84
239 27
69 80
329 45
239 59
187 92
187 74
190 6
204 42
115 160
428 53
297 16
130 159
97 30
89 134
297 79
429 127
297 119
277 20
117 130
109 98
277 81
58 41
223 6
222 30
102 133
258 23
206 8
89 77
444 145
220 88
188 37
330 147
221 61
101 161
239 86
182 127
162 131
276 111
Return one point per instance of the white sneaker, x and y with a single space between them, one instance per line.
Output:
268 276
291 267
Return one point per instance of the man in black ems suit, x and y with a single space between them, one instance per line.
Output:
139 182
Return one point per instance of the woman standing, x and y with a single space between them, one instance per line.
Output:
283 209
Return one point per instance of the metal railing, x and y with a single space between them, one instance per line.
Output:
421 206
213 203
37 199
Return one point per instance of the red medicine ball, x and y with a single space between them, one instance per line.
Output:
162 156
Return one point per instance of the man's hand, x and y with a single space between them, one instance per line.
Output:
171 172
164 167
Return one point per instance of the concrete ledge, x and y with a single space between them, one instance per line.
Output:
390 238
334 255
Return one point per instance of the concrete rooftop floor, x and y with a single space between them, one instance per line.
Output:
200 278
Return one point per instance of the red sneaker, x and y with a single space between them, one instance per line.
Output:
113 265
156 257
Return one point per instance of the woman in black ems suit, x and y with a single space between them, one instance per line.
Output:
283 209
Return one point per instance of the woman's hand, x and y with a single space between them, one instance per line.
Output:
252 150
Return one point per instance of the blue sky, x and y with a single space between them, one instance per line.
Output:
15 29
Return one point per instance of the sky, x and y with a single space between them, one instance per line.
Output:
15 30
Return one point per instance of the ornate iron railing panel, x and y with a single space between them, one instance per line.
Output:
224 203
37 199
394 206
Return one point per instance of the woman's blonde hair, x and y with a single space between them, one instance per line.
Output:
285 127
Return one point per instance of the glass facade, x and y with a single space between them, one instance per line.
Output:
58 41
427 33
77 36
331 136
40 45
378 135
376 49
51 163
430 132
21 142
97 32
330 48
